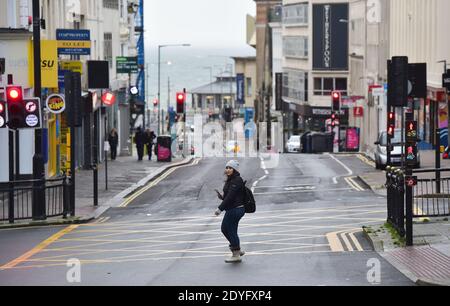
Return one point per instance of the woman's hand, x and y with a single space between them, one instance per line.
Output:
218 212
219 195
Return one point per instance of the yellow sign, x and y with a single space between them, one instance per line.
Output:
74 44
74 66
56 104
49 64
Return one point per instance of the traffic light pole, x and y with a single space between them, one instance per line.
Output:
106 152
38 159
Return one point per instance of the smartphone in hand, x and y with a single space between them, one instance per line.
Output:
219 195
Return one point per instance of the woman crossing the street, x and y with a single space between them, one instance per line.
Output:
233 204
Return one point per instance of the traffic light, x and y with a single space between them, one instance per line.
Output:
391 124
3 118
16 111
336 99
14 94
181 100
108 99
22 113
155 102
411 131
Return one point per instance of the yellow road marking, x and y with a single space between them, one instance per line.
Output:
353 184
154 183
336 245
347 242
146 188
366 160
38 248
334 242
355 241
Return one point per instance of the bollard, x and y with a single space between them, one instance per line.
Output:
95 169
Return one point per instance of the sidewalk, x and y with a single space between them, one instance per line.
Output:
428 261
125 176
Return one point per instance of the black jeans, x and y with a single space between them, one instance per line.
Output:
140 151
113 152
230 225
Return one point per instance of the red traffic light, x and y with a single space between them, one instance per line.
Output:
391 131
14 93
333 117
181 99
108 99
2 114
336 100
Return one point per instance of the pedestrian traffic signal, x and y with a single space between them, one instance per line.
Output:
411 131
336 99
391 124
3 118
155 102
181 100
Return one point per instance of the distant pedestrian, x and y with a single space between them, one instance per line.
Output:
113 140
139 140
233 203
149 141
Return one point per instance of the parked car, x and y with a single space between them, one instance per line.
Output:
294 144
396 154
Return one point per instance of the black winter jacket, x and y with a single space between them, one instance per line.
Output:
233 193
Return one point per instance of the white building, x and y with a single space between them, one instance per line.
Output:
111 25
315 61
381 29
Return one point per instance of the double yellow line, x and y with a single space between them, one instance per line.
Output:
152 184
353 184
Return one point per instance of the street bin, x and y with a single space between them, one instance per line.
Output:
164 149
322 143
308 147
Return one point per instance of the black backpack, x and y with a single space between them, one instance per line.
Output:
249 200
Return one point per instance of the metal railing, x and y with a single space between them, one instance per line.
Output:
410 196
21 200
431 196
395 186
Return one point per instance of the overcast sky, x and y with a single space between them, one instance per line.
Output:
202 23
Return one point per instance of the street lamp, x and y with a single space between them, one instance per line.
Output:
159 79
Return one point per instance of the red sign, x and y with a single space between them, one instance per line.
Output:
108 99
358 111
372 87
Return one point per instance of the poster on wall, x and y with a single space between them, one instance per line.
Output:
352 139
330 36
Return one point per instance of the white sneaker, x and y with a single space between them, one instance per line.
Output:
236 258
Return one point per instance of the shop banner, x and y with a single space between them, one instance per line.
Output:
49 64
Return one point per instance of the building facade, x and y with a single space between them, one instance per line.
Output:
382 29
111 33
315 62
